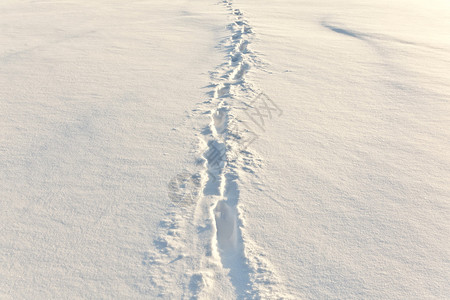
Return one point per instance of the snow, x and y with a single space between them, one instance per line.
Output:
357 169
225 150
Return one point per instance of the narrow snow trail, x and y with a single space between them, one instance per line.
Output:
208 243
224 157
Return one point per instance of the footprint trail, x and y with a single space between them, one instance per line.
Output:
207 240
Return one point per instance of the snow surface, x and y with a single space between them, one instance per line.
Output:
225 150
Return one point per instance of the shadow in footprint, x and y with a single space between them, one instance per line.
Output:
230 243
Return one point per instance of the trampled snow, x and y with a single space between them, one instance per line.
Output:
225 149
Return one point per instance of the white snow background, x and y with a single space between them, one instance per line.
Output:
225 149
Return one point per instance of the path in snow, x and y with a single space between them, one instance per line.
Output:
207 242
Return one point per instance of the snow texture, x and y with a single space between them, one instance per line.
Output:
237 149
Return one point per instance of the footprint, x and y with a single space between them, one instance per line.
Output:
222 90
240 71
247 30
216 159
236 57
240 23
243 46
236 36
220 120
196 285
226 224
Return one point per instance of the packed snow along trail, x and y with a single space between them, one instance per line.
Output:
208 243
